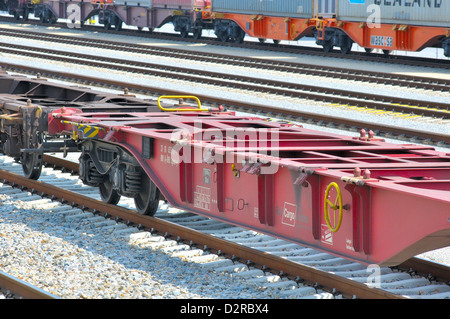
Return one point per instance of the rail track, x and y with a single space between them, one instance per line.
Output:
18 289
273 264
295 49
381 130
401 80
270 87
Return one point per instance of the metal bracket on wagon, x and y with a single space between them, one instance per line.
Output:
84 131
359 179
181 106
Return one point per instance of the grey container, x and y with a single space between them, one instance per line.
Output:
283 8
424 12
134 3
325 8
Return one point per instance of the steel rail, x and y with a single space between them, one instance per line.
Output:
295 49
259 62
22 288
309 92
326 280
425 267
293 115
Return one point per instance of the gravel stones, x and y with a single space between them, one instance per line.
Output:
71 255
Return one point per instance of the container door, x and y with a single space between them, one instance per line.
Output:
324 8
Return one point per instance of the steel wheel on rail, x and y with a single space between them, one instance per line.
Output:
31 164
184 33
327 46
32 158
147 200
197 33
108 193
345 49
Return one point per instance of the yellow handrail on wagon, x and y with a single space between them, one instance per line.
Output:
180 109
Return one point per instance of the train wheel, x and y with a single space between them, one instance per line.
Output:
239 38
118 26
347 47
223 37
184 33
43 19
108 194
147 200
31 164
327 46
197 33
106 26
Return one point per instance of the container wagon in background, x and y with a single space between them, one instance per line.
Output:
373 24
389 25
406 25
275 20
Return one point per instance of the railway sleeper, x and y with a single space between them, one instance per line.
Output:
117 173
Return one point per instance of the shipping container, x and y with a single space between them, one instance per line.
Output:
325 8
169 4
283 8
408 12
134 3
173 4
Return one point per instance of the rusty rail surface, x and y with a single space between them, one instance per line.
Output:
23 289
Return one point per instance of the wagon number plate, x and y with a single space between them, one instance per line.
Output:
381 41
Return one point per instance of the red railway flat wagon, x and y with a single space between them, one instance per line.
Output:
357 197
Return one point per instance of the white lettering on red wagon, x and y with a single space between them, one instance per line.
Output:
202 198
327 235
289 214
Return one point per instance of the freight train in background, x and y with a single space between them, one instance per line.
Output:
388 25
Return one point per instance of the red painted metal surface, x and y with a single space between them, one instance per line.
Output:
291 182
391 36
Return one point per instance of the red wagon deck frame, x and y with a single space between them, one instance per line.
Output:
356 197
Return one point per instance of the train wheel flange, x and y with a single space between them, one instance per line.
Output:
108 193
147 200
32 164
